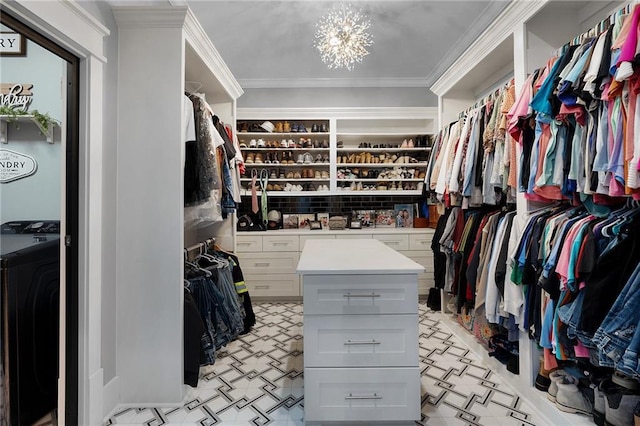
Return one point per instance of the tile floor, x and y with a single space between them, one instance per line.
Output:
257 380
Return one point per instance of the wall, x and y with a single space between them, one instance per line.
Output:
338 97
102 12
39 195
342 205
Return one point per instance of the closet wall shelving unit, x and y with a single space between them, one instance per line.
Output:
520 40
361 152
150 214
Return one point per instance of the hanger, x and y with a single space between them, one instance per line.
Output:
194 266
197 83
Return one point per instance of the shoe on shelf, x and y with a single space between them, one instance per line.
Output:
318 158
261 143
314 128
291 143
317 175
250 158
555 377
258 159
410 144
340 144
279 128
286 127
325 158
404 144
244 127
323 128
308 158
267 159
302 129
253 143
282 175
620 401
570 399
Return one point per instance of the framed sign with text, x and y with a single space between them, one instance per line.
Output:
12 44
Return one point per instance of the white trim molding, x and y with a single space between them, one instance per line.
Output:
64 22
501 28
74 29
342 113
200 42
299 83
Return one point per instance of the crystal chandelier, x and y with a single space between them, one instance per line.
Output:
342 38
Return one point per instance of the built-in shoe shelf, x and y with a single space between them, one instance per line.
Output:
378 151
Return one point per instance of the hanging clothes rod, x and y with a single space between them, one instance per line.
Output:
199 248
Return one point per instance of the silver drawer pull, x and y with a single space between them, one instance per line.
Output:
361 295
280 244
262 263
395 243
262 286
361 342
240 243
374 396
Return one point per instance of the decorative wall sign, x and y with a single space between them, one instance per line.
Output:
14 165
12 44
16 95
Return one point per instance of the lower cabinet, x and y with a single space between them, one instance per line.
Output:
268 259
361 394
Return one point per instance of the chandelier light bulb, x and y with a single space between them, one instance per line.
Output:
342 38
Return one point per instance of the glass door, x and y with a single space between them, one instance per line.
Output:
38 220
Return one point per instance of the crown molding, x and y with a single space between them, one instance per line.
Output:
150 16
299 83
517 12
429 113
202 45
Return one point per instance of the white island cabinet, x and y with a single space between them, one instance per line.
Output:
360 333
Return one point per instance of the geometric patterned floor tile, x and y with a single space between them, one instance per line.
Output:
258 380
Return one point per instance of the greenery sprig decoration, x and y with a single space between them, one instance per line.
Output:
43 119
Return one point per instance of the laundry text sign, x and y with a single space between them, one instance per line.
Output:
14 165
12 44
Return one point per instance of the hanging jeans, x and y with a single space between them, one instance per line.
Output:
617 332
201 292
231 323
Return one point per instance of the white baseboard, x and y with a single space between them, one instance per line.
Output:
96 392
111 397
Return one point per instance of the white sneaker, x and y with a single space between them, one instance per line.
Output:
261 143
252 143
556 376
569 398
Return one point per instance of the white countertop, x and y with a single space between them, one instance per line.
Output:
353 256
327 231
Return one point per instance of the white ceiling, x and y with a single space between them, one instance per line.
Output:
268 44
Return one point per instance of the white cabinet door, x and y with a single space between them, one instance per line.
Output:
420 241
360 294
248 243
269 263
361 340
361 394
280 243
395 241
318 236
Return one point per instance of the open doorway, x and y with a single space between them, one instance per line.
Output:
39 124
